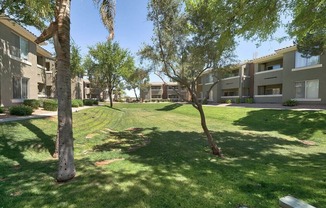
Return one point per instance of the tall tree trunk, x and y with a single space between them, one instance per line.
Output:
66 167
56 150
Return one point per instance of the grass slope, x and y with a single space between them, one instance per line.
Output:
165 159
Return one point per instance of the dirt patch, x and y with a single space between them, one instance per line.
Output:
107 162
308 143
90 136
134 129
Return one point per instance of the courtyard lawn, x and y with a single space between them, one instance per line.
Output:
155 155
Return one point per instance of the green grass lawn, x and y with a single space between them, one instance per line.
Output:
164 160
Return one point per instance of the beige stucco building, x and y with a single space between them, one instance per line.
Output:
27 71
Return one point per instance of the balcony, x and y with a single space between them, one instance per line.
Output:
49 78
87 91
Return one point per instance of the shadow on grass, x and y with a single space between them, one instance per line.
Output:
299 124
176 169
170 107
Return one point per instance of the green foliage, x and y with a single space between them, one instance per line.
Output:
90 102
228 101
290 103
75 61
107 64
2 110
249 100
74 103
21 110
237 100
35 104
50 105
33 13
77 103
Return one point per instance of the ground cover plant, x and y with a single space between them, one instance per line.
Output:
155 155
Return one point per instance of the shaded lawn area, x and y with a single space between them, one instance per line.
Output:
164 159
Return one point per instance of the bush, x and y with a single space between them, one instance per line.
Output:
290 103
249 100
80 102
237 100
2 110
88 102
95 102
50 105
32 103
74 103
21 110
228 101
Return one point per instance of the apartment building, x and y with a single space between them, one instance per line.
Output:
171 91
27 71
287 74
275 78
227 85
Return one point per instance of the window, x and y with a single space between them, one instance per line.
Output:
173 96
19 47
156 96
230 92
20 88
209 79
307 89
301 61
270 90
173 87
276 66
155 87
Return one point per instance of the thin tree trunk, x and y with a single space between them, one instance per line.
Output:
66 167
110 98
135 94
211 142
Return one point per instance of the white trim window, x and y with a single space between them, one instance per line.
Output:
308 89
20 88
301 61
19 47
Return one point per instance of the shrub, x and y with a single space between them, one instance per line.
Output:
95 102
290 103
21 110
237 100
32 103
50 105
2 110
74 103
249 100
228 101
80 102
88 102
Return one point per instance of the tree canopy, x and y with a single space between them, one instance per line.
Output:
109 64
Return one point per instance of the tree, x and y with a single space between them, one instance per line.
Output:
138 78
110 63
76 62
184 47
35 13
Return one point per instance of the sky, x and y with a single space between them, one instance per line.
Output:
132 30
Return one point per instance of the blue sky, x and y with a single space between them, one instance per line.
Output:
132 29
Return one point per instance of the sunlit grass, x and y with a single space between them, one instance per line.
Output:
164 160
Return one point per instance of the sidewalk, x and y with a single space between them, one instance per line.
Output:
39 113
271 106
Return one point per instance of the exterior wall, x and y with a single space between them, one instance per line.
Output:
12 66
292 75
268 78
38 68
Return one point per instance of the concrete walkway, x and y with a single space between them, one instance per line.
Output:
271 106
39 113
